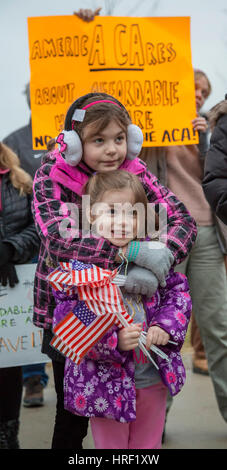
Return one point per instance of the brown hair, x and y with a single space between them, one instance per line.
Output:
115 180
19 178
51 145
216 112
198 74
101 114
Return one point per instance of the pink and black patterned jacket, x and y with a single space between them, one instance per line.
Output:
56 184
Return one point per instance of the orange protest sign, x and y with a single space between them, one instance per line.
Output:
144 62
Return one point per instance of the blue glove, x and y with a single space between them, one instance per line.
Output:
141 281
154 256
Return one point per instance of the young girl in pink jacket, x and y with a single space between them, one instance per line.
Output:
98 137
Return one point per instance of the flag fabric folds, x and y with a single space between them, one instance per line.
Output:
100 305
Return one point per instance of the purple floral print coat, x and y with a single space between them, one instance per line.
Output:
103 384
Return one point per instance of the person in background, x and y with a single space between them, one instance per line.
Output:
214 182
181 168
19 243
158 162
215 175
20 141
35 377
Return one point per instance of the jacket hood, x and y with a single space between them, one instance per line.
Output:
216 112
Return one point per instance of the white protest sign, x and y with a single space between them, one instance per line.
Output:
20 340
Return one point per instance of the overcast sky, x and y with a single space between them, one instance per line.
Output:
208 40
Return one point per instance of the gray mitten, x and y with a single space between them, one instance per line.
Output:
154 256
141 281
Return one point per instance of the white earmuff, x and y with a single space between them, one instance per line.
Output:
70 147
134 141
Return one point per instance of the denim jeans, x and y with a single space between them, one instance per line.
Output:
35 369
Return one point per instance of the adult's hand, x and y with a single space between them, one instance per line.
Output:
87 14
199 124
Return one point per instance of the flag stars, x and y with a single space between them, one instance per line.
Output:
84 313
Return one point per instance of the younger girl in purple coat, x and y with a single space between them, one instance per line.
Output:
116 385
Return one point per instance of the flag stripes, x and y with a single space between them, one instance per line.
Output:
100 306
74 339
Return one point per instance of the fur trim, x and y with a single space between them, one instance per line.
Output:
216 112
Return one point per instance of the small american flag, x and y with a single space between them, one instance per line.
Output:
100 306
77 333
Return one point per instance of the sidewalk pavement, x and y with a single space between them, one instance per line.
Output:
194 421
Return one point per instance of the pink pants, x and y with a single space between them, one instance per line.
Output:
143 433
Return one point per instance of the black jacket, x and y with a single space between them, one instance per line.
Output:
215 179
16 222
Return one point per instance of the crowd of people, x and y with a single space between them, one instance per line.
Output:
125 381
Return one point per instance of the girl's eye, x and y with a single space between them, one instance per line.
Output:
98 140
120 138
